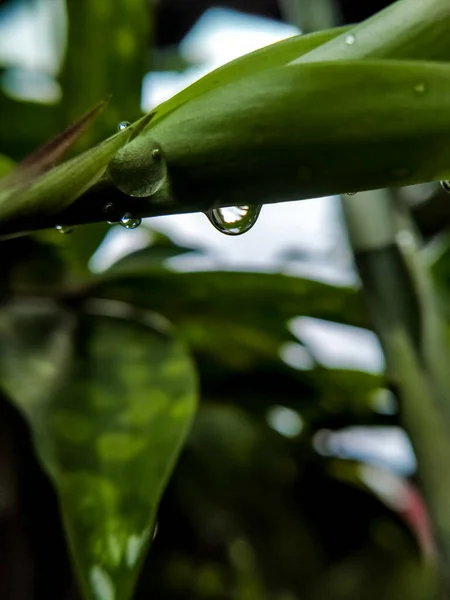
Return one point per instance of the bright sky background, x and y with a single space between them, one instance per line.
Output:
312 227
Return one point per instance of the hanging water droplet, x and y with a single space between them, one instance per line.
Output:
445 185
123 125
139 168
351 193
350 39
63 229
234 220
110 213
130 222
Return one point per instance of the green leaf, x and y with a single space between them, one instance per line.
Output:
238 317
109 394
57 188
407 29
273 55
107 53
6 165
160 249
275 136
25 125
45 157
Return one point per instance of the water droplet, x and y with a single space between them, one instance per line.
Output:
63 229
139 168
123 125
130 222
234 220
351 193
420 87
445 185
110 213
350 39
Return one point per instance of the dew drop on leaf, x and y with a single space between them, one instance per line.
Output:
139 168
234 220
123 125
130 222
350 39
63 229
351 193
445 185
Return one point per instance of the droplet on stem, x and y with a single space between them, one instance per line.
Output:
139 168
350 39
110 213
234 220
130 222
123 125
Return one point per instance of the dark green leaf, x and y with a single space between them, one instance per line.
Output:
109 394
108 53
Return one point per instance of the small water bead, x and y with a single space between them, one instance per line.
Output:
445 185
351 193
350 39
139 168
130 222
63 229
234 220
110 213
123 125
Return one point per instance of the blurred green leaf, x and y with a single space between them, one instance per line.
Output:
107 53
25 125
109 394
6 165
217 312
160 249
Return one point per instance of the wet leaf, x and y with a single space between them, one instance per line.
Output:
56 189
277 137
109 394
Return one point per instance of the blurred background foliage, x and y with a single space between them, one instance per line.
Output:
282 491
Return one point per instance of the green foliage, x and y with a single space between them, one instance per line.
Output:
109 389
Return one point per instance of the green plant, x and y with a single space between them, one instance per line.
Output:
108 388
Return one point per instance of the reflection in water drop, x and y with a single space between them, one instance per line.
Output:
130 222
350 39
64 229
123 125
109 212
445 185
234 220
